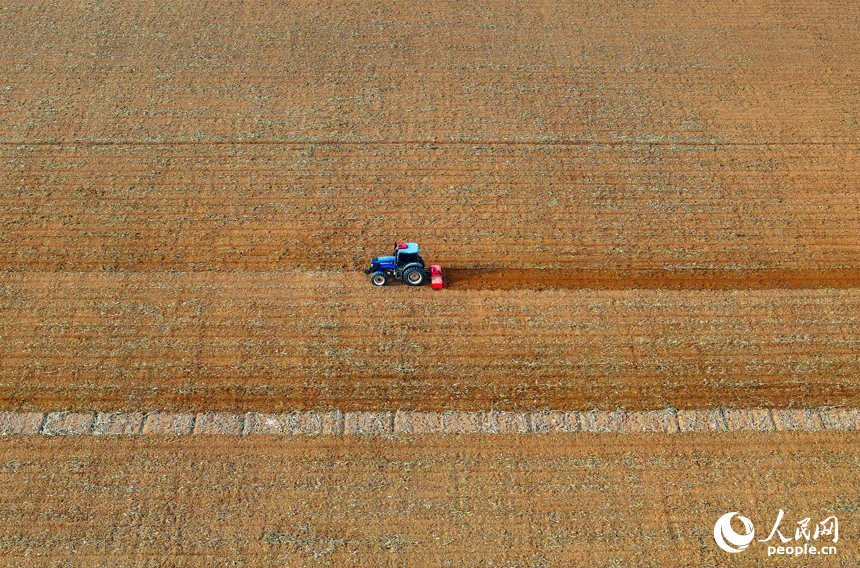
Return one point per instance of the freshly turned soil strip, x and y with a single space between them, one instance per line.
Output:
540 279
339 423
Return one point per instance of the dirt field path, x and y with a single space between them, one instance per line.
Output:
406 422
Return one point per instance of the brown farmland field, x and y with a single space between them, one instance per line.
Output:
637 138
550 501
253 341
763 72
189 191
640 205
790 213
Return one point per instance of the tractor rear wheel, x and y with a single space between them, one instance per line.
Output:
379 279
414 276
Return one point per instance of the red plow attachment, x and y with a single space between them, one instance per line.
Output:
437 280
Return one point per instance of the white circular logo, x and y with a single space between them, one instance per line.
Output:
726 536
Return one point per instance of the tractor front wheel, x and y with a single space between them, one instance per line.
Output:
379 279
414 276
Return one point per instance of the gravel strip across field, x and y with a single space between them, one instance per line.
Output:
669 420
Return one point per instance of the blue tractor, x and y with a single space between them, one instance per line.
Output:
406 265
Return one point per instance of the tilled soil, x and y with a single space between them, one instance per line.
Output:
642 205
695 215
529 71
251 341
662 279
547 500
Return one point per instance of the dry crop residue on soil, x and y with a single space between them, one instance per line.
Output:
657 72
588 136
187 190
209 152
585 500
252 341
630 210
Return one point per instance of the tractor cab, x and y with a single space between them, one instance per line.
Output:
406 254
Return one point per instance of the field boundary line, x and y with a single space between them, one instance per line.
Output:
428 143
407 422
